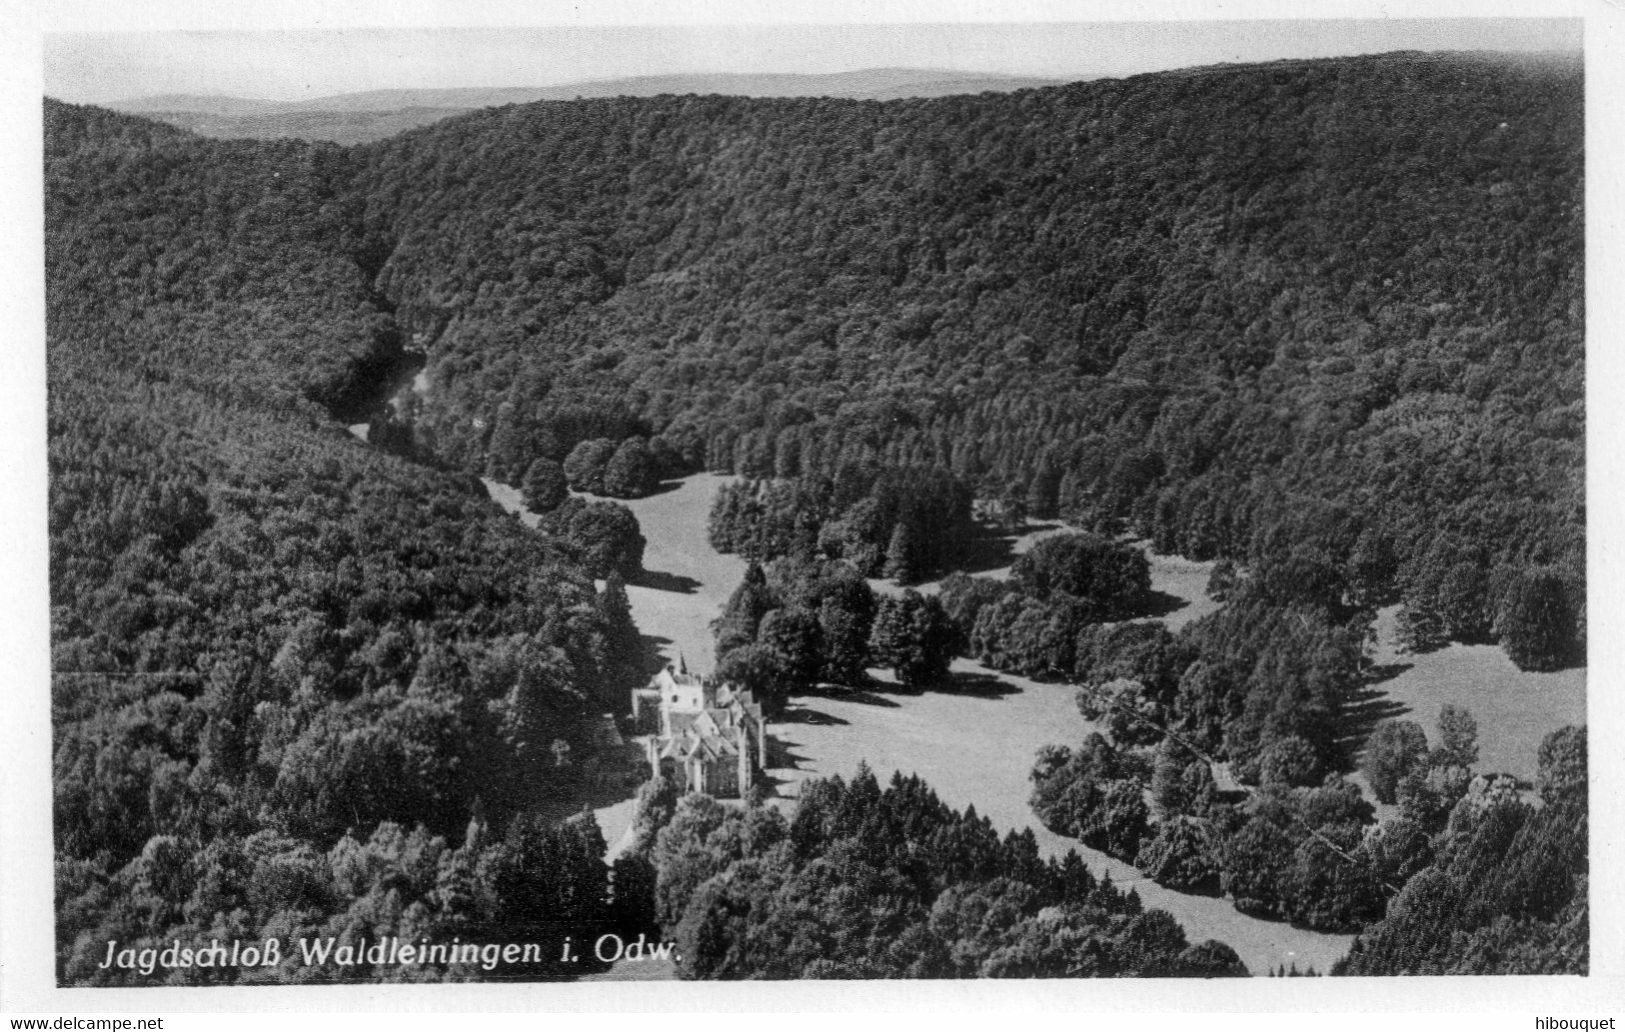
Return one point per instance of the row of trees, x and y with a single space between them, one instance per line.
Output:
539 882
1506 891
1532 612
598 466
1277 666
797 623
870 882
1316 856
886 522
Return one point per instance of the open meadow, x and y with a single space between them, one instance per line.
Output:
974 740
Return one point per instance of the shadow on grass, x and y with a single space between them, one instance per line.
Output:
992 548
616 781
664 487
615 787
817 718
985 552
780 756
673 582
860 696
1386 672
1159 604
1365 708
1230 796
975 684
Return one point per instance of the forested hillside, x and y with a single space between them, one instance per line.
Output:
288 668
1327 306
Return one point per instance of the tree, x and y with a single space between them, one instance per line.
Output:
630 473
913 635
1398 849
1168 785
793 635
1537 623
584 466
1289 761
539 685
743 612
1419 627
1458 738
963 597
1253 862
1461 602
1133 717
1221 583
655 804
1109 578
903 554
1180 855
1427 796
1120 822
1562 761
844 632
1336 801
505 453
688 851
632 898
1372 567
545 486
1395 749
1211 959
1324 890
606 534
622 654
761 670
539 877
1044 491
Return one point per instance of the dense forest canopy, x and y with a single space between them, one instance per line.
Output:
291 672
1195 304
1320 318
865 882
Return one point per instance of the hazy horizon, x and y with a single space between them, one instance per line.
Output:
293 66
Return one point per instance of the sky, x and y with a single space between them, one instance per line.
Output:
313 62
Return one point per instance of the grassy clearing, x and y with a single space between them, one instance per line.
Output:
1181 583
688 582
1514 709
973 741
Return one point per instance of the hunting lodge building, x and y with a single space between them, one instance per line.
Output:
703 734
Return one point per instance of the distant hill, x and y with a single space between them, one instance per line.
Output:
346 127
192 103
867 84
378 114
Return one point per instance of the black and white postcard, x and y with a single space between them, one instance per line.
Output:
533 507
